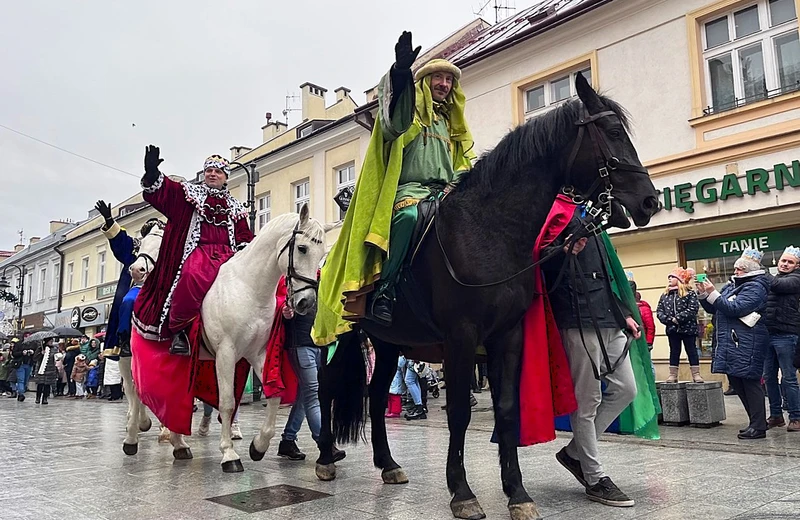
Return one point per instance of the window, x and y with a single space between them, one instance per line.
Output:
42 283
101 267
29 288
553 91
264 210
345 177
85 273
751 54
306 131
302 194
56 280
70 275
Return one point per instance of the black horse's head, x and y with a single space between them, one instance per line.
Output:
604 147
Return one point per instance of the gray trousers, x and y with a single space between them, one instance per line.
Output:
596 409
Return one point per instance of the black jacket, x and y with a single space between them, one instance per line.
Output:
594 295
783 304
299 333
23 353
671 305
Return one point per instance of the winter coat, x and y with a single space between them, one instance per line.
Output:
647 321
20 353
782 314
94 351
85 348
671 305
49 374
740 349
93 379
69 359
5 359
79 371
111 374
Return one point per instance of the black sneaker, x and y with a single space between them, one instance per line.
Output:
750 434
416 413
289 450
572 465
337 454
606 492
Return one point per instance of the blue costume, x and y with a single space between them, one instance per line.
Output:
119 321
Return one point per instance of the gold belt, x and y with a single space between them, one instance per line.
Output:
405 203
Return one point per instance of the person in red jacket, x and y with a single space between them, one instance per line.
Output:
647 317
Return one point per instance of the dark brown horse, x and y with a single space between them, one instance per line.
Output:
487 228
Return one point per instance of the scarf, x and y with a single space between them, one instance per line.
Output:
45 360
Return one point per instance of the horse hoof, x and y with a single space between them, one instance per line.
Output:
524 511
326 472
130 449
467 509
146 428
232 466
254 453
182 454
394 476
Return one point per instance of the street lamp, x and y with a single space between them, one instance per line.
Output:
252 179
4 285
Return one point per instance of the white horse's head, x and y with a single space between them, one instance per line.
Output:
149 247
299 255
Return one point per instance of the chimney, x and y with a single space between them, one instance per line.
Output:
238 151
341 93
313 101
273 129
19 247
55 225
34 240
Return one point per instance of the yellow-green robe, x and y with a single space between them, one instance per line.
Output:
354 263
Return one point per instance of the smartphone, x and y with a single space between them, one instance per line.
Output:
702 277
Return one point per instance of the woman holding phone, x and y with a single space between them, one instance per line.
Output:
742 336
677 310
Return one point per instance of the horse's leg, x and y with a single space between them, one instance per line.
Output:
385 368
260 443
328 374
459 358
180 450
130 445
226 368
505 358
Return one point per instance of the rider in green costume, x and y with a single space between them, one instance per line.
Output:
420 146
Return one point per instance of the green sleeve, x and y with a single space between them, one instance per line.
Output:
396 124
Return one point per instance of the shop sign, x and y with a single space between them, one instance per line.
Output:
75 318
107 290
734 245
705 191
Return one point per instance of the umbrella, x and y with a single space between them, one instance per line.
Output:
100 335
40 336
67 332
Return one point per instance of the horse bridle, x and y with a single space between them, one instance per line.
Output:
606 162
291 273
146 257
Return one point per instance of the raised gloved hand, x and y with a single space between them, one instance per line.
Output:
404 52
151 164
104 209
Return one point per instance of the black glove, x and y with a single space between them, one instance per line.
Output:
105 210
404 52
151 163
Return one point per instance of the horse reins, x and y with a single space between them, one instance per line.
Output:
291 273
146 257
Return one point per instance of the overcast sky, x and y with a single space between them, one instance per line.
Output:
194 77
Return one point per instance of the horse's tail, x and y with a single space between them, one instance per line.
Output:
349 390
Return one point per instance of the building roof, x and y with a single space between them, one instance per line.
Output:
44 244
545 15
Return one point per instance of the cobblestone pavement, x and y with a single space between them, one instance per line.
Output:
64 461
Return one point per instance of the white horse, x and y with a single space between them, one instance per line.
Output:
137 419
239 310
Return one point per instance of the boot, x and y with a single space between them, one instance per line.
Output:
289 450
673 375
46 394
696 375
395 407
180 344
38 394
382 310
416 413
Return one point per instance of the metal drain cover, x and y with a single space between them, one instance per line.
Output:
266 498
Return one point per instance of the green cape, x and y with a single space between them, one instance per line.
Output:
356 258
641 416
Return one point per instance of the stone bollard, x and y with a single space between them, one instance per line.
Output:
706 404
674 406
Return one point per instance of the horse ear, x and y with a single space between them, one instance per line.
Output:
587 94
328 227
304 215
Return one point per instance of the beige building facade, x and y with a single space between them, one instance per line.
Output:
713 88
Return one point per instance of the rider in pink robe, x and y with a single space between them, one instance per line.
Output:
206 226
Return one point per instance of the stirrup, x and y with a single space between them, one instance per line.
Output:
180 345
381 310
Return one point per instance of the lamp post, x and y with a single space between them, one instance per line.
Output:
252 179
4 285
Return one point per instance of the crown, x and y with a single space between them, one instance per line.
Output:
216 161
752 254
791 250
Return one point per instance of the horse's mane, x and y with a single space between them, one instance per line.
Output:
540 138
